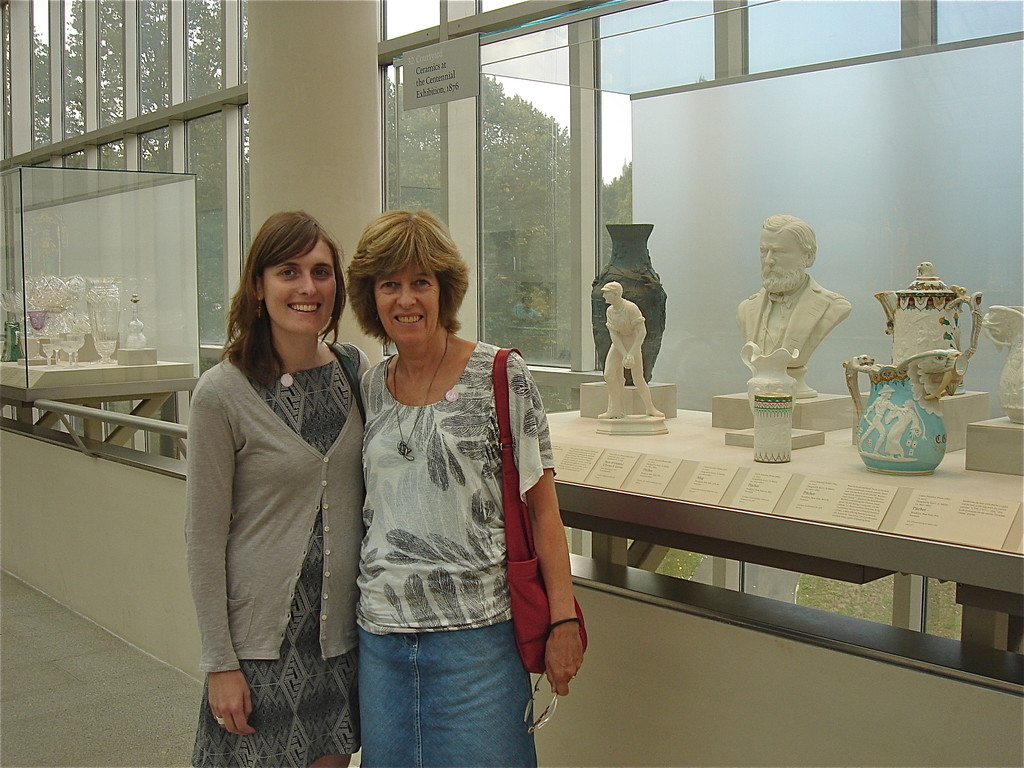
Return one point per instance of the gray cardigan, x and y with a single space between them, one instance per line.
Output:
254 488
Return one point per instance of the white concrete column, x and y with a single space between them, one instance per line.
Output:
315 117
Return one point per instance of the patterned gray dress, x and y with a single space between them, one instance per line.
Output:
304 707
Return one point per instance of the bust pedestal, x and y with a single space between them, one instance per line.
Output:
144 356
995 445
958 411
823 413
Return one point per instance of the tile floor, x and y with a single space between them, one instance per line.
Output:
72 694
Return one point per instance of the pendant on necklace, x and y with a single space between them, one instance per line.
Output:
451 395
287 380
405 451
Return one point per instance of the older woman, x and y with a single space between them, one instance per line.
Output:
273 523
442 678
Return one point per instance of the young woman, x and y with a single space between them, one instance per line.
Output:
273 525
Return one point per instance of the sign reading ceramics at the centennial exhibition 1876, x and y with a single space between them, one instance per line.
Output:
442 72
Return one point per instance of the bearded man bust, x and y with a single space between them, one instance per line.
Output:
791 310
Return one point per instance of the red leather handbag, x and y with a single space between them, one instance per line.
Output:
530 611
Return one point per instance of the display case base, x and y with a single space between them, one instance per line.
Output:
633 425
823 413
145 356
995 445
594 399
59 376
802 438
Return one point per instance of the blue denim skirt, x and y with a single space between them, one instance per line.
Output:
439 699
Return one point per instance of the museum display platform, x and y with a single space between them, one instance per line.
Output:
822 513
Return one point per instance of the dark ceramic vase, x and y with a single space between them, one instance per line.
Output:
630 266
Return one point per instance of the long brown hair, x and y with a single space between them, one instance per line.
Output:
282 237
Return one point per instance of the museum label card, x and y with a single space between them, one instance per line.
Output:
574 462
977 522
441 72
708 483
612 468
761 490
653 474
860 505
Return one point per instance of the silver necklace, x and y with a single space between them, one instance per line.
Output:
404 449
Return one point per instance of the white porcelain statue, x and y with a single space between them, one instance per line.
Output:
791 310
628 330
1005 328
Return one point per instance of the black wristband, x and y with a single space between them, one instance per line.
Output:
554 624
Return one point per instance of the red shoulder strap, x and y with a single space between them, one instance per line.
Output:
518 531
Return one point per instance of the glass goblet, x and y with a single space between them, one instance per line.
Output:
50 345
70 343
106 349
37 321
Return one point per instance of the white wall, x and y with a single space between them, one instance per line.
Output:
891 163
104 539
660 687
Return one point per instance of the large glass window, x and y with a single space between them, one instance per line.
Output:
74 68
40 73
402 17
112 156
793 33
154 54
5 28
155 150
206 159
75 160
110 23
413 147
205 46
658 46
968 19
526 266
246 224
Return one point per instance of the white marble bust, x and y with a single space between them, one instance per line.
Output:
627 329
791 310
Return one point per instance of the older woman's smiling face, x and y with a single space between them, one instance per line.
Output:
408 304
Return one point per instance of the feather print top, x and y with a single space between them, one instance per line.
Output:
433 558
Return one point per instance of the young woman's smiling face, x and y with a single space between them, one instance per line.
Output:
408 304
299 293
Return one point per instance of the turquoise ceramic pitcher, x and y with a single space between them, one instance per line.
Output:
901 430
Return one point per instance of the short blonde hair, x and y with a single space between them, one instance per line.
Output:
389 244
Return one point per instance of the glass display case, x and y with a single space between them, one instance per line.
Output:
98 283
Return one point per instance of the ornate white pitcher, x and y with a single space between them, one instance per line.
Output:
769 372
925 316
1005 327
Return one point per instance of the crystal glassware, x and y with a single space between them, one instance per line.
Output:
49 345
37 321
70 343
104 303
